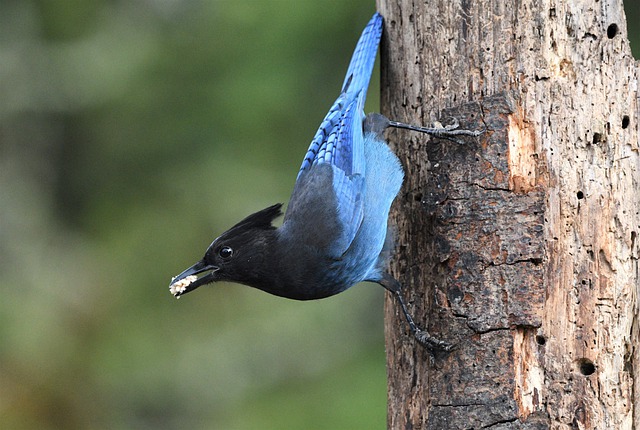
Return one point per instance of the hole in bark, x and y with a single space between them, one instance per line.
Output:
540 340
580 195
418 197
625 121
586 366
597 138
612 31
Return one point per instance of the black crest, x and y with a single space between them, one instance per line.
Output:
260 220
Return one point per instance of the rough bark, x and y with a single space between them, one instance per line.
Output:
522 245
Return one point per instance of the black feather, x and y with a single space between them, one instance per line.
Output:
261 220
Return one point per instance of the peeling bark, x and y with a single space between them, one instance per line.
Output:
522 245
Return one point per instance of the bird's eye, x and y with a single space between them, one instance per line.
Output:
225 252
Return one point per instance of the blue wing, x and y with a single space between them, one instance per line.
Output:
339 141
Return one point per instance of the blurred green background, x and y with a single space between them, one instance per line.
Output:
131 134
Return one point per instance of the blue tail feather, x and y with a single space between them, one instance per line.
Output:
344 120
364 56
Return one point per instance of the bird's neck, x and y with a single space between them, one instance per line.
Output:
278 260
261 265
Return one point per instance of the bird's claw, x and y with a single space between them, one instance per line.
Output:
431 343
448 127
448 132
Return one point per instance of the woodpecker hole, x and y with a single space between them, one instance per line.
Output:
586 366
580 195
597 138
540 340
625 121
612 31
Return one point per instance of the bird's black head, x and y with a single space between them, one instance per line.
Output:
237 255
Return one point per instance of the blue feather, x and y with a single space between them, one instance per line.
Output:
358 177
347 152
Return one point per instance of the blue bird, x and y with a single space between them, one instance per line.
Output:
334 233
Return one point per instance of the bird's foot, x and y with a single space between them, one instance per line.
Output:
449 132
432 344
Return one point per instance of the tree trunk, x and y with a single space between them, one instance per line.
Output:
521 246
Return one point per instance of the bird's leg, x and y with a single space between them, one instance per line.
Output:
451 130
378 123
422 336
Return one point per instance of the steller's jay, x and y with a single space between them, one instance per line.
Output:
334 233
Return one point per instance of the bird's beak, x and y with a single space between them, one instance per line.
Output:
195 276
